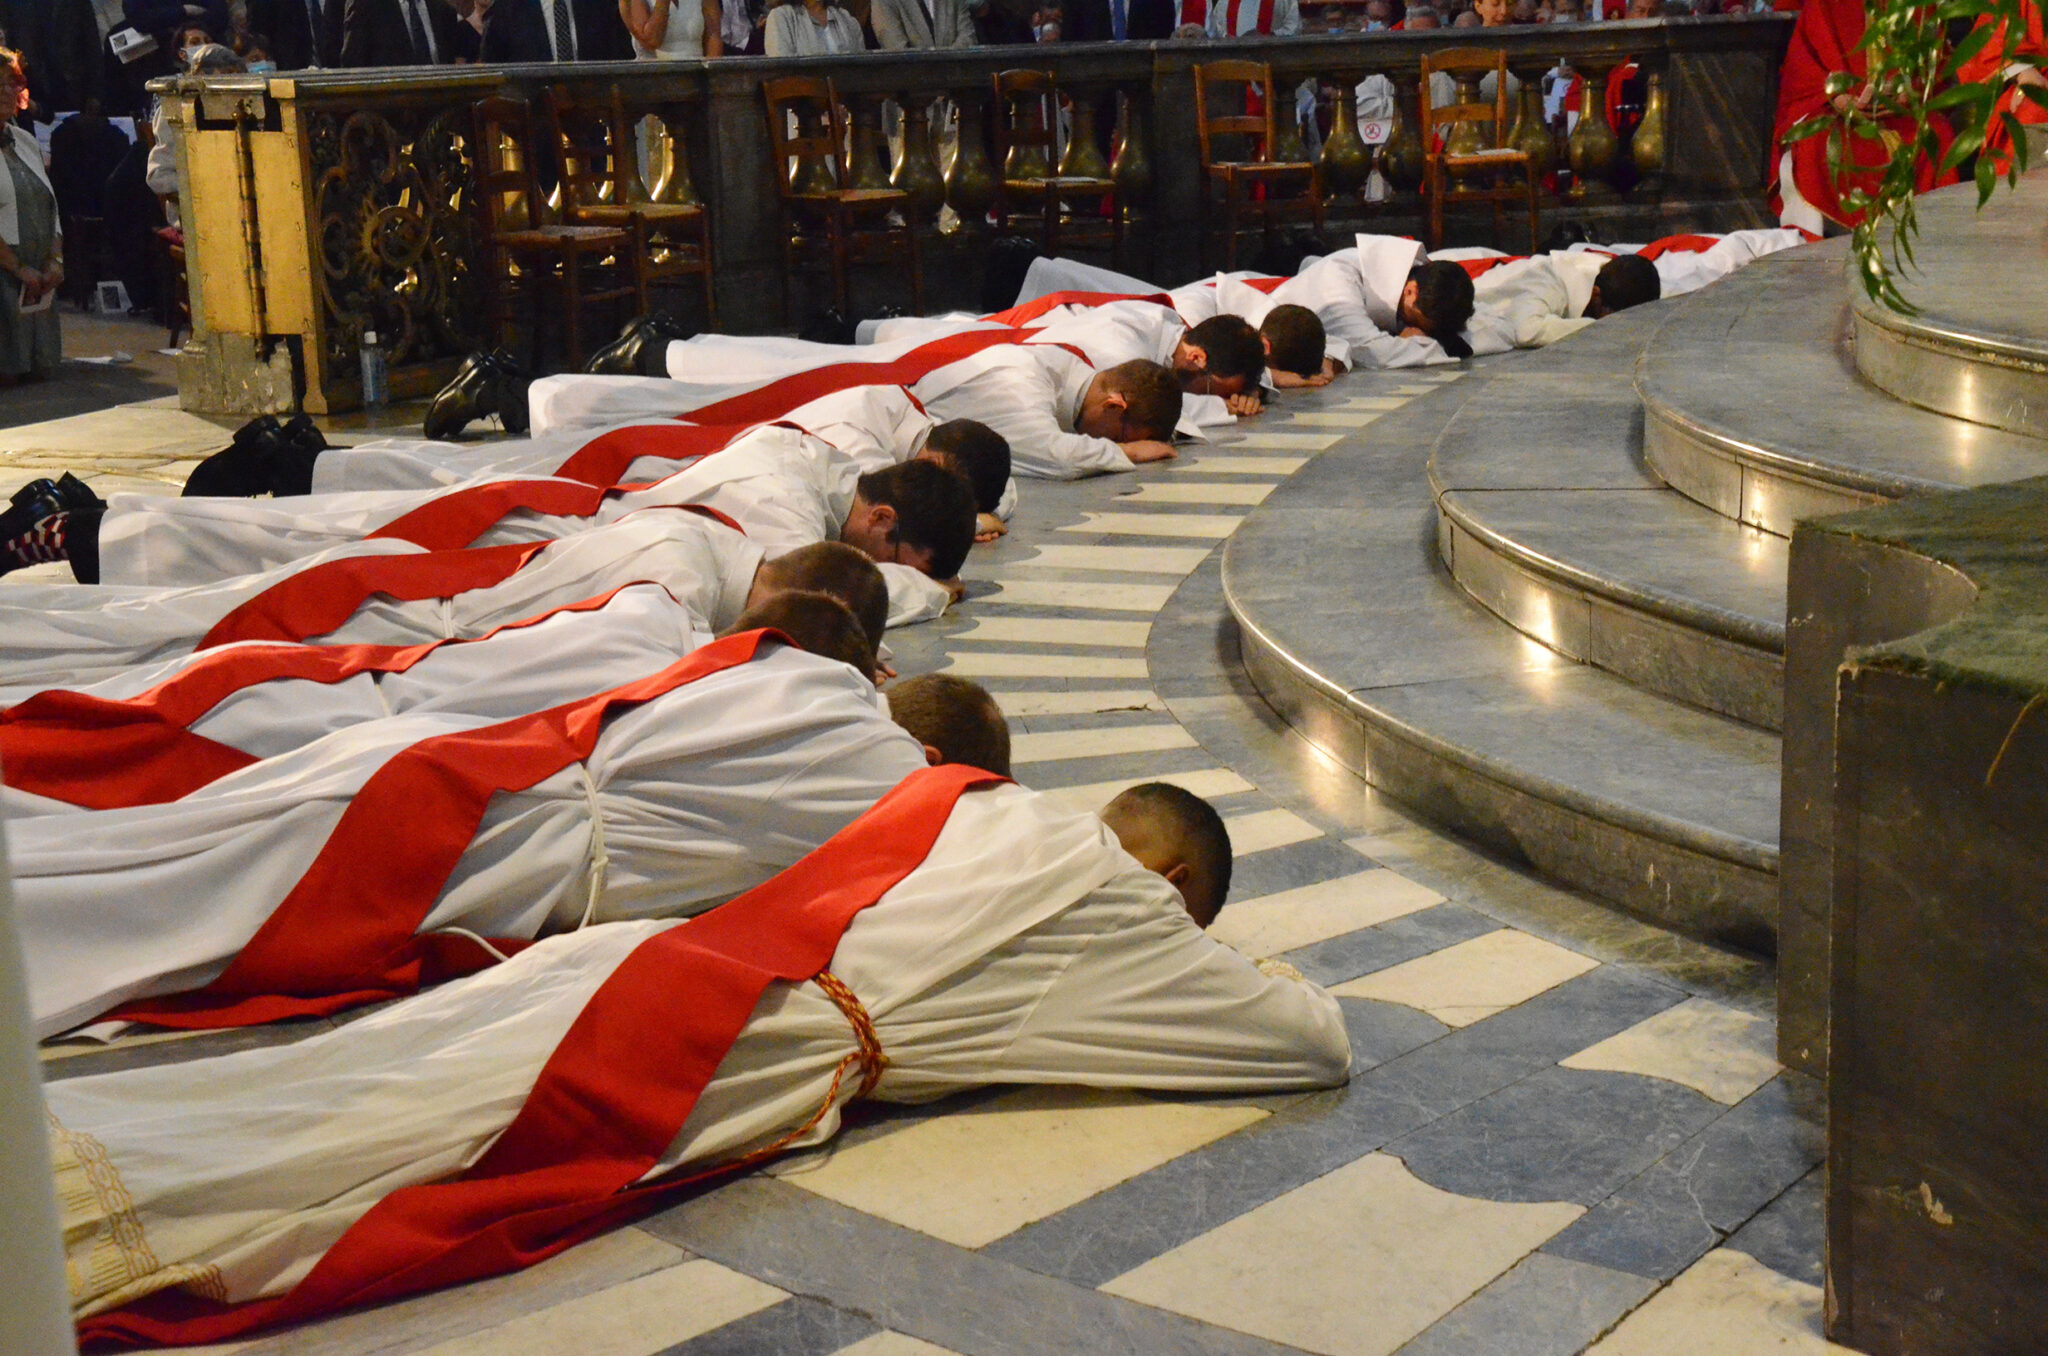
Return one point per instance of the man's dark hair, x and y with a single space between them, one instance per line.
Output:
1443 294
1232 347
838 571
1627 280
934 510
1152 398
816 622
977 452
1298 341
954 716
1194 823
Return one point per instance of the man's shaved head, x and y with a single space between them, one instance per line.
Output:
816 622
977 452
1133 401
1295 341
1625 280
956 721
1181 837
832 568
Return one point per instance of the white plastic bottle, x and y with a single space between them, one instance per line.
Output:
375 387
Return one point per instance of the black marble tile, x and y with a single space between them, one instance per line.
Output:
1058 772
1543 1306
1789 1234
795 1327
1383 1031
1283 868
1558 1135
1389 943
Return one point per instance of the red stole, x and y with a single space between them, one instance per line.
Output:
610 1099
604 459
346 934
1266 285
1475 267
779 397
1029 311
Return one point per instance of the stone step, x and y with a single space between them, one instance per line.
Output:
1753 405
1978 348
1548 517
1355 632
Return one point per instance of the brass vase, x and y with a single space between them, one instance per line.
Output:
915 172
1532 136
970 183
1467 137
1647 147
1131 169
1401 156
866 166
1592 145
1083 159
673 184
1287 147
1346 160
811 174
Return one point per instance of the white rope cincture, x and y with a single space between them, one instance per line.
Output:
600 864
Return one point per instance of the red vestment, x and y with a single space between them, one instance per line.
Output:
1989 65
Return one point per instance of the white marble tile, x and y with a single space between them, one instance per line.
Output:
1272 440
1710 1048
648 1314
1354 1263
1381 402
1334 418
1128 635
1415 389
893 1344
1272 924
1157 524
1174 560
122 437
1101 742
1725 1304
1207 783
1004 664
1264 829
1019 704
1247 492
1076 593
1240 466
1461 984
976 1174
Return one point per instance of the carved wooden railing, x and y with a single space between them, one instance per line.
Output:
323 204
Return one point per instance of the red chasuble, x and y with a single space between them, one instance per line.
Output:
610 1099
1989 65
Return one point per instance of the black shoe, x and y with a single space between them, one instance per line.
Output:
39 499
510 401
643 343
256 430
302 432
830 327
472 394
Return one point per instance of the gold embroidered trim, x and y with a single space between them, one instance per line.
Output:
107 1258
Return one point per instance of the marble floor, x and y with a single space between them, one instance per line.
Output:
1565 1130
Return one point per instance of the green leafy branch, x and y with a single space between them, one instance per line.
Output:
1910 81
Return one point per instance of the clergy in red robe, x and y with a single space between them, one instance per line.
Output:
2004 59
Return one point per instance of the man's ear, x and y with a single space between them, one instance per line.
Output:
1266 347
1178 875
932 756
1198 357
1115 400
1410 291
882 518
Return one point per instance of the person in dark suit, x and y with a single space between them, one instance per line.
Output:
302 33
529 30
1095 21
397 33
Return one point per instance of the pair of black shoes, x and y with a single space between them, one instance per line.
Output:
39 499
267 456
641 350
486 384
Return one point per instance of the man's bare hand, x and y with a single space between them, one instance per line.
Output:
1146 449
987 527
1247 403
955 590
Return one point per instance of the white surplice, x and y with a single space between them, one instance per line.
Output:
61 635
686 800
1528 303
1028 948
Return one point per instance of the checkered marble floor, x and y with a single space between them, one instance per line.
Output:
1565 1130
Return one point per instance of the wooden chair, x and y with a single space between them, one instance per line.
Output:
807 133
1461 152
1253 183
601 185
515 232
174 292
1038 184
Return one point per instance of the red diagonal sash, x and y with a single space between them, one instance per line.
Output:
604 459
1475 267
346 933
451 521
1678 244
611 1097
1029 311
102 753
779 397
1267 285
321 597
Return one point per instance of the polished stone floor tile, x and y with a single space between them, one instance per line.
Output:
1274 440
1019 705
1207 783
1332 419
1727 1304
1473 980
1054 631
1787 1235
1215 464
1385 402
1245 493
1100 742
892 1344
1074 593
1264 830
638 1318
1404 938
1385 1031
1356 1262
976 1175
1544 1306
1173 560
1055 773
1156 524
1009 664
1714 1049
1294 918
795 1327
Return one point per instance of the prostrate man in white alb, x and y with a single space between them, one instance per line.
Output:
1527 303
986 936
353 863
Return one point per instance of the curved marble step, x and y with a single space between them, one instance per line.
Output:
1358 636
1549 519
1978 349
1753 406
